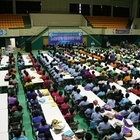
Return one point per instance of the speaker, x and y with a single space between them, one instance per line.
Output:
28 46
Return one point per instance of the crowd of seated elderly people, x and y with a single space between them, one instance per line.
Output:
15 109
114 97
83 65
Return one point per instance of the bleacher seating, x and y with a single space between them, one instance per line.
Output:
11 21
108 22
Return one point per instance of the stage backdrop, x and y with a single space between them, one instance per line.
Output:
65 37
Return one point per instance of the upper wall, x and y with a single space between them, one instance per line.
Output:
62 6
57 20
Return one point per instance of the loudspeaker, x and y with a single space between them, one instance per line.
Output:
28 46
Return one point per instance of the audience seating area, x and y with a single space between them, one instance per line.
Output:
108 22
11 21
73 84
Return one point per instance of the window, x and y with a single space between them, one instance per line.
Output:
24 7
121 11
73 8
101 10
85 9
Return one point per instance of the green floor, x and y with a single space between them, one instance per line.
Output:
26 117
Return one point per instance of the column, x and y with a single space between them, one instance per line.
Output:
14 6
91 9
112 8
134 9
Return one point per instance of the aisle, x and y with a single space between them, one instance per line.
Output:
26 118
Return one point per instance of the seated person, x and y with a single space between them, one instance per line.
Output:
18 136
13 80
39 70
101 93
107 86
119 81
55 93
77 97
104 126
74 91
43 76
65 106
135 115
34 101
118 135
8 76
87 74
96 88
15 106
47 82
60 80
35 64
89 111
37 117
26 77
92 76
18 112
111 102
68 88
11 99
137 104
83 104
28 83
127 78
125 112
43 127
96 116
31 93
134 71
59 99
89 85
35 108
135 90
70 116
124 100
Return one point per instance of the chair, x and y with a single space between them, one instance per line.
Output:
74 125
105 132
81 133
69 119
15 123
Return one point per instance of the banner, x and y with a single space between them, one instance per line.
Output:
65 37
3 32
122 31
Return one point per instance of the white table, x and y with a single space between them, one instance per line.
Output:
27 60
66 74
91 97
3 101
51 113
111 68
34 74
4 61
3 121
48 98
4 136
2 76
49 57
